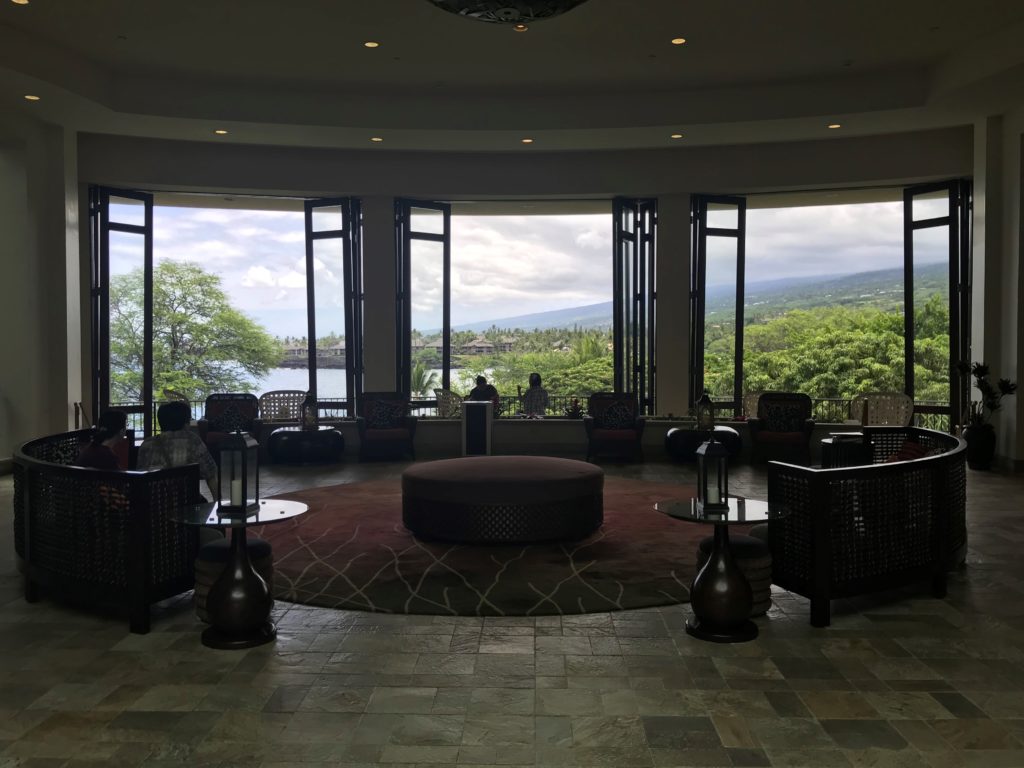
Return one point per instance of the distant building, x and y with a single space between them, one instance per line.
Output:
296 350
478 346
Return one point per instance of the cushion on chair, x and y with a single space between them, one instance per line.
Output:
783 416
230 419
617 416
781 437
908 452
386 435
386 414
615 435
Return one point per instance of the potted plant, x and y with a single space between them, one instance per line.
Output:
979 431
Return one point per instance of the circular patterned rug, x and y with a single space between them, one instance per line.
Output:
351 551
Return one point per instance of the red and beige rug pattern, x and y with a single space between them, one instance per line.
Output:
352 551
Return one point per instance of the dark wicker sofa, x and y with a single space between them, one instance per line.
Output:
98 537
855 530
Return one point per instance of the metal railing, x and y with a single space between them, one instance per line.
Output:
826 410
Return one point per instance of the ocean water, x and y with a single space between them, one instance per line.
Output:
330 381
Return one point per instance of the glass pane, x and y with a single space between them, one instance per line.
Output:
427 303
720 318
327 219
124 210
931 315
427 221
127 254
329 284
229 302
930 206
831 327
723 216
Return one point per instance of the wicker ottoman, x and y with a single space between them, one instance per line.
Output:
754 560
210 564
503 499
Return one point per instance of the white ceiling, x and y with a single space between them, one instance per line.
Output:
601 76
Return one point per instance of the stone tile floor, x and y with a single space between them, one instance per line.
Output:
899 680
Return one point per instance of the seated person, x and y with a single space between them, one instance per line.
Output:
108 432
177 446
483 391
535 401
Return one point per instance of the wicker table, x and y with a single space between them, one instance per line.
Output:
238 604
720 596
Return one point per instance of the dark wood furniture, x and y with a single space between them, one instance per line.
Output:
503 499
613 426
386 430
239 601
681 444
106 538
227 412
782 428
295 445
721 597
861 529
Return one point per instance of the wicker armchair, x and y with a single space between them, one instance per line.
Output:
100 537
613 426
281 405
749 405
226 413
783 426
448 404
882 409
855 530
386 430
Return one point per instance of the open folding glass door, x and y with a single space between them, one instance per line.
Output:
121 306
716 296
423 265
937 260
633 297
334 289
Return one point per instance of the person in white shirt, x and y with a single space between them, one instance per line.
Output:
177 446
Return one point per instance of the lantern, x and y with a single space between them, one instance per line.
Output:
238 476
712 478
309 417
705 413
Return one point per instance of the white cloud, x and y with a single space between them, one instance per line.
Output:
258 276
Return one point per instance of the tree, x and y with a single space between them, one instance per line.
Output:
201 344
424 381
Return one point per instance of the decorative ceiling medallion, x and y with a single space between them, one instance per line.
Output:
507 11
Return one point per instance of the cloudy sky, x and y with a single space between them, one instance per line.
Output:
502 266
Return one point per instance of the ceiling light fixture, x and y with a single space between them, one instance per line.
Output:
507 11
376 139
371 44
527 141
31 97
834 125
678 40
220 132
676 136
20 2
520 27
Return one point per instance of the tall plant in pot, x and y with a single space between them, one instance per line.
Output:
979 432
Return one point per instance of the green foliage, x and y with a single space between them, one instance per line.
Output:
201 344
424 381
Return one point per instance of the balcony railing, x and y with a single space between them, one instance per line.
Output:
826 410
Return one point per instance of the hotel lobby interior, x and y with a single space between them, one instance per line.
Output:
660 100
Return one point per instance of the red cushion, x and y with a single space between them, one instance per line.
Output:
614 435
780 437
908 451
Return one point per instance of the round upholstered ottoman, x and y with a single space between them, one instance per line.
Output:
212 558
503 499
754 560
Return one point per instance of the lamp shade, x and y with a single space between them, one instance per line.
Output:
238 474
507 11
713 478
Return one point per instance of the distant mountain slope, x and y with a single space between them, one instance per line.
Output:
882 288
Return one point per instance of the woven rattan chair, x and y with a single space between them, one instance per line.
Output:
882 409
783 426
226 413
281 405
749 404
98 537
386 430
448 404
613 426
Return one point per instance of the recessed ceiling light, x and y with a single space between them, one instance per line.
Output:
678 40
834 125
676 136
20 2
377 139
520 27
371 44
527 141
220 132
31 97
